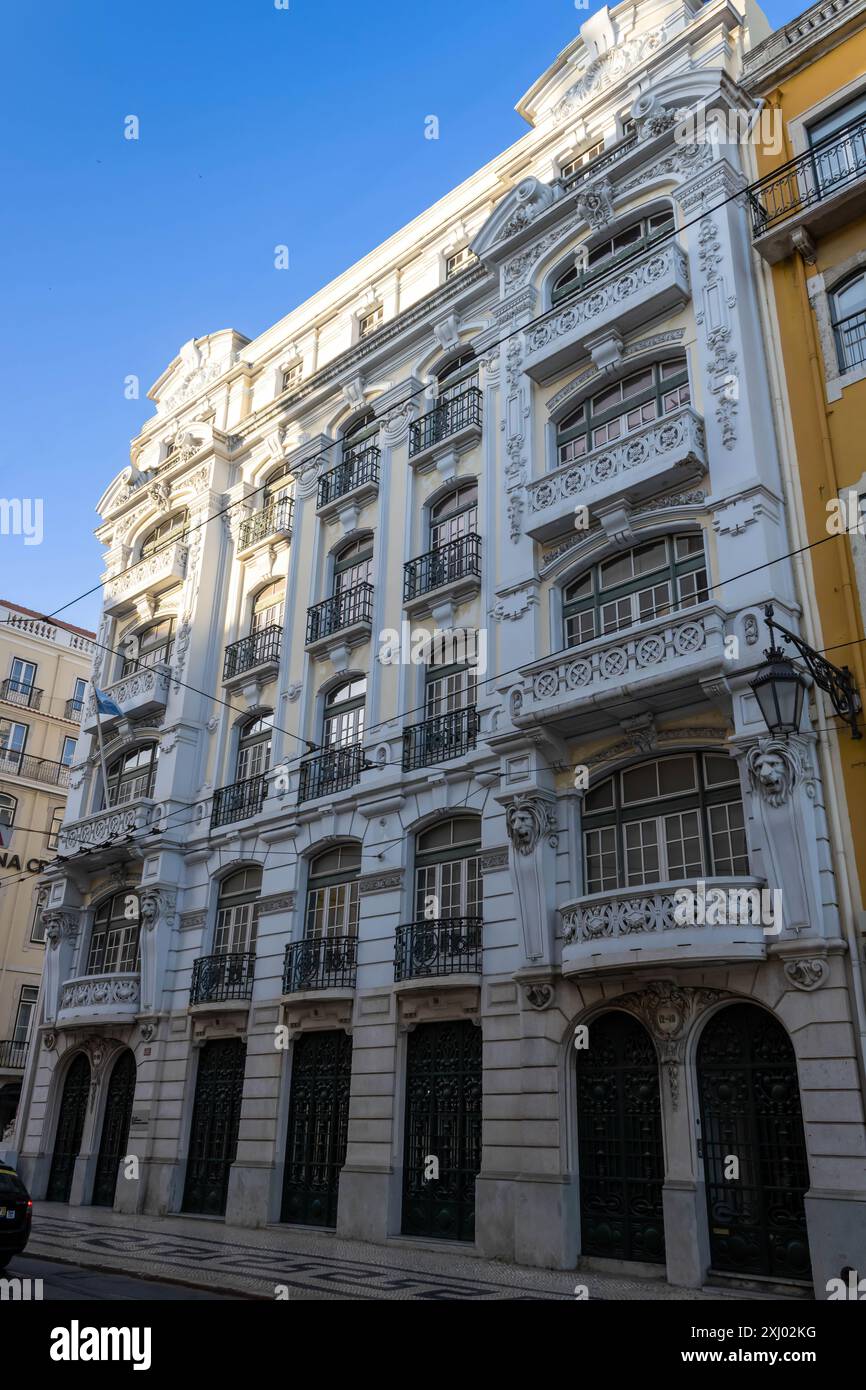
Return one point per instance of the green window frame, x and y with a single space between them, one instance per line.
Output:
605 254
448 869
686 823
622 407
661 576
333 895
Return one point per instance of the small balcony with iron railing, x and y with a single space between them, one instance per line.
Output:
335 770
345 619
20 693
221 980
254 657
237 801
73 709
327 962
820 190
13 1055
668 452
683 923
271 522
354 481
43 770
436 740
439 947
455 420
451 571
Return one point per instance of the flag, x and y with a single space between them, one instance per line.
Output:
105 704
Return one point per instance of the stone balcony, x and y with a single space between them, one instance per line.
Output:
158 572
91 999
652 284
660 663
99 835
145 692
669 452
632 927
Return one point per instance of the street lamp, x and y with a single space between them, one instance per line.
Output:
779 687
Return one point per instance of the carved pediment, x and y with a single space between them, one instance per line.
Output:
517 211
199 363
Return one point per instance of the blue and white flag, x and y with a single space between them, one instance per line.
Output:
105 704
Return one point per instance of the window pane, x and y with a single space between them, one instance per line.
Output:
649 557
719 770
642 853
600 859
600 798
692 544
683 845
728 839
640 783
676 775
580 627
640 381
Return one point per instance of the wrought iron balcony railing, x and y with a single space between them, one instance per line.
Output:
72 710
440 738
332 771
223 977
277 515
354 471
457 560
851 340
831 165
447 418
601 161
259 649
13 1055
237 801
345 609
445 946
34 769
20 693
329 962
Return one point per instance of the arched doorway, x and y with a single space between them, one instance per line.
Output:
620 1151
115 1129
750 1112
70 1127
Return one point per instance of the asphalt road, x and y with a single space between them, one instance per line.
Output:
62 1282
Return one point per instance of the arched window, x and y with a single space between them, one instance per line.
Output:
848 316
152 646
360 435
454 515
636 585
132 775
172 529
447 870
238 912
636 400
666 820
278 485
268 607
114 938
353 564
601 256
8 807
344 714
254 747
457 376
332 893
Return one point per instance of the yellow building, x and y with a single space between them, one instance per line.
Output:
44 666
808 217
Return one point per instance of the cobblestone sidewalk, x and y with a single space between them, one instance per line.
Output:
308 1264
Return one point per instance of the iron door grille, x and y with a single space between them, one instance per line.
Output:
216 1117
70 1128
115 1129
318 1128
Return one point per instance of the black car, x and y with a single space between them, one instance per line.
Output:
16 1215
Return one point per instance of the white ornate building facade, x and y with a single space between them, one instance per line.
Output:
394 946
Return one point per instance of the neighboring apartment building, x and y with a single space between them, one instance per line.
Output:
808 216
44 666
396 946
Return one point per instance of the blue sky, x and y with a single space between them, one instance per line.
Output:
258 126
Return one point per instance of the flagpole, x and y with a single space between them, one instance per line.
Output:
99 742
